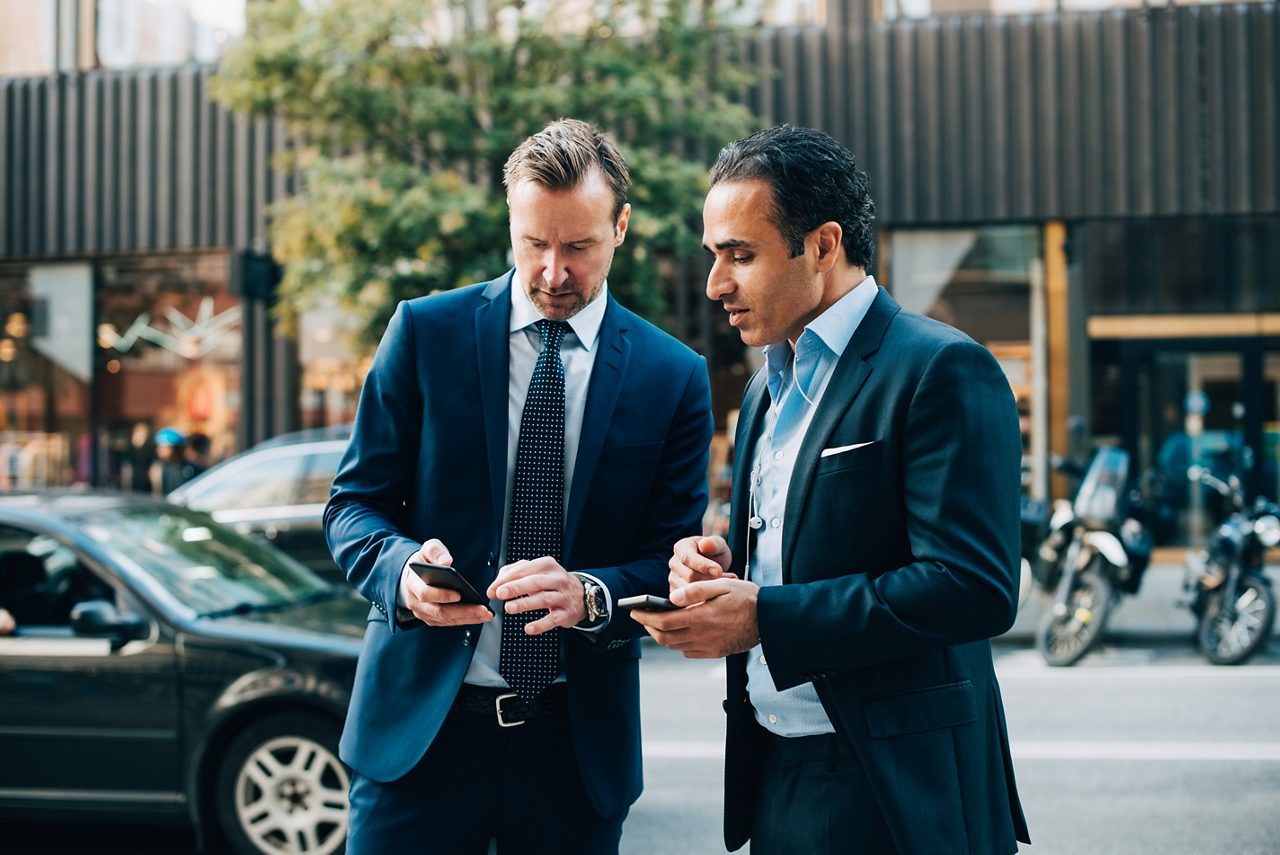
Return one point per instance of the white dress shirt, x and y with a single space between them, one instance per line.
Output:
578 354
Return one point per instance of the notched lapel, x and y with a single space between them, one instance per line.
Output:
847 381
607 375
493 354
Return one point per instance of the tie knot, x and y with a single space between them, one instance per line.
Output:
552 334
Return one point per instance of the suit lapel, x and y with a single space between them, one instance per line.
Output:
755 401
607 374
493 319
847 379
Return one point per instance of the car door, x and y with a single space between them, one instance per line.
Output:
82 720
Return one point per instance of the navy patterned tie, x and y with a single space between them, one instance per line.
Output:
530 663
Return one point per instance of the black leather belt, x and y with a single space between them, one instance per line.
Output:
506 708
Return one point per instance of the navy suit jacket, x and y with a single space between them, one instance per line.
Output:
899 562
428 457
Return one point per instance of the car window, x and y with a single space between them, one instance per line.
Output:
42 579
265 480
206 566
319 478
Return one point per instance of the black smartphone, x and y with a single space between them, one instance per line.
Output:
648 602
446 577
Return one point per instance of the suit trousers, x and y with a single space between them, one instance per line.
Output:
813 798
479 782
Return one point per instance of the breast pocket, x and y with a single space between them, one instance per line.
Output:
850 458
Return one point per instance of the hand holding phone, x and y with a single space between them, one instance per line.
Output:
446 577
648 602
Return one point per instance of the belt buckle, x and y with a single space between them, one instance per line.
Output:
497 705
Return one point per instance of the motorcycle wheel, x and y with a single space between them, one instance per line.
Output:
1063 639
1231 638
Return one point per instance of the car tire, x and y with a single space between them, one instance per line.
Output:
281 788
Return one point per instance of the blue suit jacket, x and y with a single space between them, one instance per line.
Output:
428 458
899 562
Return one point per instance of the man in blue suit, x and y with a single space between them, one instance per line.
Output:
873 546
555 486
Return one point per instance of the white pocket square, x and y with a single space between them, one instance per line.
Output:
841 449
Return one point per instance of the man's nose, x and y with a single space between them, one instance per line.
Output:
718 284
555 271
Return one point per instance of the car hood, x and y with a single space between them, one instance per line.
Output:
339 622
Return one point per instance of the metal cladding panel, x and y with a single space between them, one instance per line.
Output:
1166 177
928 111
1165 111
1046 160
1022 137
107 162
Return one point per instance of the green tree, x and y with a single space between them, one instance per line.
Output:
406 110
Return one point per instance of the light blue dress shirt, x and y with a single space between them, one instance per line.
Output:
796 382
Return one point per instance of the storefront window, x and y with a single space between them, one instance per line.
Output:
1178 266
45 366
170 353
28 37
331 375
140 33
981 281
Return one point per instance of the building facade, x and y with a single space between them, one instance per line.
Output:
1090 192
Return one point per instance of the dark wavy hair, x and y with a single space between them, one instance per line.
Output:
814 180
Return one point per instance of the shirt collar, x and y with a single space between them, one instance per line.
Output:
834 328
585 324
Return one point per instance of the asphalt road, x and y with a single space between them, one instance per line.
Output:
1143 748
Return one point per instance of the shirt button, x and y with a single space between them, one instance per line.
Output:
773 719
760 658
775 522
777 455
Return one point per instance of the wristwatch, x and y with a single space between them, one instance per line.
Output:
594 601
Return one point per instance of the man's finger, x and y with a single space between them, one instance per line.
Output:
556 618
534 584
437 594
715 548
435 552
435 614
700 592
533 602
520 570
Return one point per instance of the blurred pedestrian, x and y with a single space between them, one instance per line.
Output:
873 541
197 452
171 469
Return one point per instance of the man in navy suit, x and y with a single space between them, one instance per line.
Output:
873 547
452 735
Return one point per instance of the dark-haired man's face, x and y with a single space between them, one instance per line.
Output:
769 295
563 242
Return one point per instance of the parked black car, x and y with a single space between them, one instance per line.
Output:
166 667
276 491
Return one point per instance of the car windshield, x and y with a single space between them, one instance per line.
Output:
206 566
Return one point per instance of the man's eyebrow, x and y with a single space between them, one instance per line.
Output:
732 243
535 239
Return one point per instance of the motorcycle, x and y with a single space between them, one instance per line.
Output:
1098 551
1227 589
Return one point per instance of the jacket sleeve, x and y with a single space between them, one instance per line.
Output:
674 508
961 464
364 518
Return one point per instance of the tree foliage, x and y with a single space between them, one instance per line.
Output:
404 112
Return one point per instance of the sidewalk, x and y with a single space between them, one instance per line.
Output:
1153 613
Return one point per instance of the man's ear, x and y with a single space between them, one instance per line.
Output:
827 238
620 227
